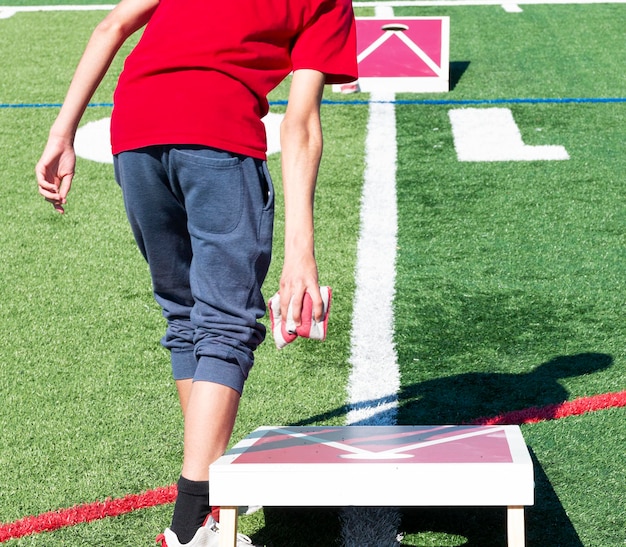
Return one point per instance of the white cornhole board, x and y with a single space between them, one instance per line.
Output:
376 466
403 54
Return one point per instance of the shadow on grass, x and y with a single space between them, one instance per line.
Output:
546 521
466 397
457 69
300 526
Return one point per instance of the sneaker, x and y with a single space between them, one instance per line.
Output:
207 536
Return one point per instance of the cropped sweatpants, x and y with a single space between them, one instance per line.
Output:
203 220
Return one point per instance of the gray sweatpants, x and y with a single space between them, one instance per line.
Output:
203 219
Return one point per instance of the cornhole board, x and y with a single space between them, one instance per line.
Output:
403 54
376 466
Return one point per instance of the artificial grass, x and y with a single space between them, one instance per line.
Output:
505 267
508 292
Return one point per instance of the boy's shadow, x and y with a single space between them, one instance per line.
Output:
467 397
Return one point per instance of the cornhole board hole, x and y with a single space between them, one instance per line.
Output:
408 54
376 466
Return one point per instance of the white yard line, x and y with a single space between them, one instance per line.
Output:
375 379
8 11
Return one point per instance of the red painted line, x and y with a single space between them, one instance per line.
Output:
554 412
88 512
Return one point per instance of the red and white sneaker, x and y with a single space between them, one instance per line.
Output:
207 536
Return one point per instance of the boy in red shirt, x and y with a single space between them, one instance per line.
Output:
189 153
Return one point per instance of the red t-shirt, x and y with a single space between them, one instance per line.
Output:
202 70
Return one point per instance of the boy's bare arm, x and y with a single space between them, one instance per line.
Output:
301 144
55 168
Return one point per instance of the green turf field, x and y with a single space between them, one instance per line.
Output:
509 291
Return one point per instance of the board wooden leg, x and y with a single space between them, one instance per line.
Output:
228 527
515 526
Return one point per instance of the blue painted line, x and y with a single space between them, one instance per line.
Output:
47 105
461 102
426 102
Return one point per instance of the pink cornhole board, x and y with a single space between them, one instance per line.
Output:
376 466
403 54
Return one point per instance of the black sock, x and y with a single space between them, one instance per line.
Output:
191 508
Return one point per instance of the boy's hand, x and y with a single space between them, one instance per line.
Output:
55 171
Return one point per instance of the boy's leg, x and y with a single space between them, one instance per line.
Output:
204 218
206 439
229 203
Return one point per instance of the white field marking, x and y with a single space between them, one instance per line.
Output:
10 11
428 3
511 7
491 134
92 140
94 7
384 9
375 379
